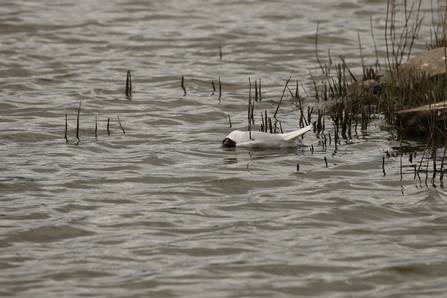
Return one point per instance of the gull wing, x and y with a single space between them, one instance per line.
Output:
291 136
251 144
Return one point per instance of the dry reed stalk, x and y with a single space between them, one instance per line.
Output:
256 90
229 120
220 52
96 127
128 90
320 120
77 122
66 129
400 45
303 121
309 114
108 126
220 90
266 121
291 93
251 159
345 67
183 86
250 108
316 47
438 34
280 100
361 57
297 91
119 121
262 122
317 94
441 173
377 64
324 142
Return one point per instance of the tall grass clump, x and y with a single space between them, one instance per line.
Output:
414 101
386 89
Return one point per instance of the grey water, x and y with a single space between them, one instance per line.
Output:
162 210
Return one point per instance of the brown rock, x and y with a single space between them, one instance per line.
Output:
422 118
430 64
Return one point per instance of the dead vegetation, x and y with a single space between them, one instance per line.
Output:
410 94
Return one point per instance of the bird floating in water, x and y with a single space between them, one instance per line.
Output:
262 139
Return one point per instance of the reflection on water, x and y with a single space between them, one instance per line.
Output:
162 210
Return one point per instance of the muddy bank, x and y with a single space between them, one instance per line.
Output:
412 96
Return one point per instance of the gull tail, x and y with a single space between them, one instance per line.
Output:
291 136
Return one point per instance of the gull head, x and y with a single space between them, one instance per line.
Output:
228 143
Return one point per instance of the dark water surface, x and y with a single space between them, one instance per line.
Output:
162 210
